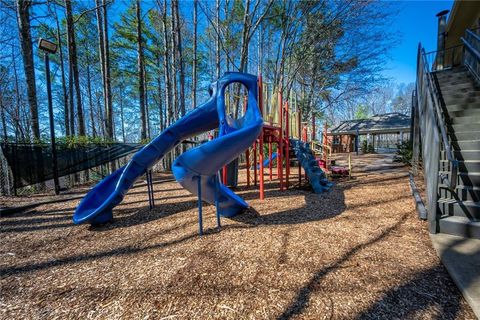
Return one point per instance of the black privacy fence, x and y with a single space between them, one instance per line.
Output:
32 163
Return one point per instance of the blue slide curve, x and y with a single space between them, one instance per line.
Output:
202 162
266 162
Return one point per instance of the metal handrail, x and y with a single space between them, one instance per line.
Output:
446 49
473 51
435 94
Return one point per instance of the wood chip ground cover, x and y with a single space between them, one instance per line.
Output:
357 252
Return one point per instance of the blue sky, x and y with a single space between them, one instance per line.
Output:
416 22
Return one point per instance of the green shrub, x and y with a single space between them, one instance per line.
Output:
72 142
404 152
370 148
364 146
367 147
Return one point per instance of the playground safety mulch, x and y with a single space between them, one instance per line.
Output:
357 252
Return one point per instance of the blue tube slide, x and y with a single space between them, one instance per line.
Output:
266 162
204 161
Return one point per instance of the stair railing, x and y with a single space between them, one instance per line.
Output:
434 93
433 134
471 53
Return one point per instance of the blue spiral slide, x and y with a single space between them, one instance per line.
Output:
195 169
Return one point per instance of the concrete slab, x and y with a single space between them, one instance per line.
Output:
461 257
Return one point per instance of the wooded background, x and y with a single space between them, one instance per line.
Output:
125 70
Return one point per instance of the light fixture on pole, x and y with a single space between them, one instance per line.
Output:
50 47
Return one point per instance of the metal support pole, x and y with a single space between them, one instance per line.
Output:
255 163
260 104
262 186
280 141
314 129
224 173
247 155
287 146
217 189
52 126
270 157
200 214
299 128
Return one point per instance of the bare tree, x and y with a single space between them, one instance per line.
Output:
108 89
179 53
195 58
217 39
140 70
62 71
72 60
23 16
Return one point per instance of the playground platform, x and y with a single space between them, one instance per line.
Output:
358 251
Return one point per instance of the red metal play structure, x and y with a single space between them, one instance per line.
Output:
282 122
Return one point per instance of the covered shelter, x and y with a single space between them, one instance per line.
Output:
382 131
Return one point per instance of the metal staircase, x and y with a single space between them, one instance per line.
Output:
447 126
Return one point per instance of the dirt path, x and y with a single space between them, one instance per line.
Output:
357 252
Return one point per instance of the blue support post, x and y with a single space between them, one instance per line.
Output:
200 216
217 187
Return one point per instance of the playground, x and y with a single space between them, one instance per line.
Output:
296 255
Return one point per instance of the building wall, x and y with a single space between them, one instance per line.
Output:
464 15
342 143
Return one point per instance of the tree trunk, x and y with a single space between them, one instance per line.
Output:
4 121
71 108
101 50
166 63
217 39
108 87
174 65
101 120
141 82
90 101
147 110
62 71
122 116
72 55
23 14
227 36
178 35
16 118
195 62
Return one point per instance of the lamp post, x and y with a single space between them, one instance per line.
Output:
50 47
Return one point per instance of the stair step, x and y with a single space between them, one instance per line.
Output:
462 136
472 112
467 209
466 144
460 93
460 99
466 179
474 117
460 78
463 165
462 193
460 226
466 106
460 87
464 127
452 74
463 155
